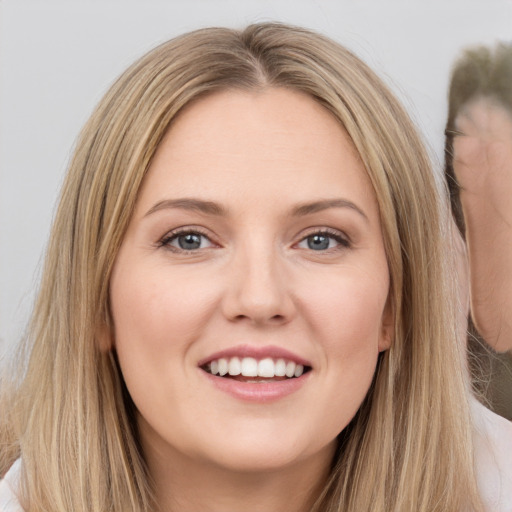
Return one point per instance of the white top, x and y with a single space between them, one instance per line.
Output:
8 500
493 455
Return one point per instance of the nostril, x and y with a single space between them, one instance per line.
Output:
259 319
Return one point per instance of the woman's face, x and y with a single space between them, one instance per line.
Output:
255 247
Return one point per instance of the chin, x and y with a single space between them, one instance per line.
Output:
254 454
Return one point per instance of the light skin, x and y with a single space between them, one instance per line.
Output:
255 227
483 167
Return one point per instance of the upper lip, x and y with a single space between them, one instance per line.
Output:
257 352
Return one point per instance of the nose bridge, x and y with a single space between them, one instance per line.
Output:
257 288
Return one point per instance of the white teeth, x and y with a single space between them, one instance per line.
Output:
234 366
290 369
266 368
223 367
280 369
251 367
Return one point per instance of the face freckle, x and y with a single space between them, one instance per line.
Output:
256 236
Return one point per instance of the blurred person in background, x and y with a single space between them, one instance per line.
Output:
478 169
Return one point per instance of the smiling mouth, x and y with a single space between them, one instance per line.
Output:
249 369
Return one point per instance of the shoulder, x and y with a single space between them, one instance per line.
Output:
8 487
493 458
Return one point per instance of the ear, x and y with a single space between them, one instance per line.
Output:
387 328
105 337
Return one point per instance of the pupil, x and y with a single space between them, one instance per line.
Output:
318 242
189 241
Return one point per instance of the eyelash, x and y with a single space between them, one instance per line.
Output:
342 240
165 242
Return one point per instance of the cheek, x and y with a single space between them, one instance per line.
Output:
352 330
158 307
347 312
157 318
347 318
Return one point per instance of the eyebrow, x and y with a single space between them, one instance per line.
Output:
325 204
197 205
212 208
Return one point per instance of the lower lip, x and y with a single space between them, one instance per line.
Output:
260 392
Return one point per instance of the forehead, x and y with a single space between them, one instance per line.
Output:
276 142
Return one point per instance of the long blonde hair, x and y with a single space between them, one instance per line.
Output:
70 417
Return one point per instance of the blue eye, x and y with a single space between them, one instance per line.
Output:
323 241
186 241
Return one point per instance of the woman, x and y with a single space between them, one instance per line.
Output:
244 303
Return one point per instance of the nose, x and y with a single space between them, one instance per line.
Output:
258 290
